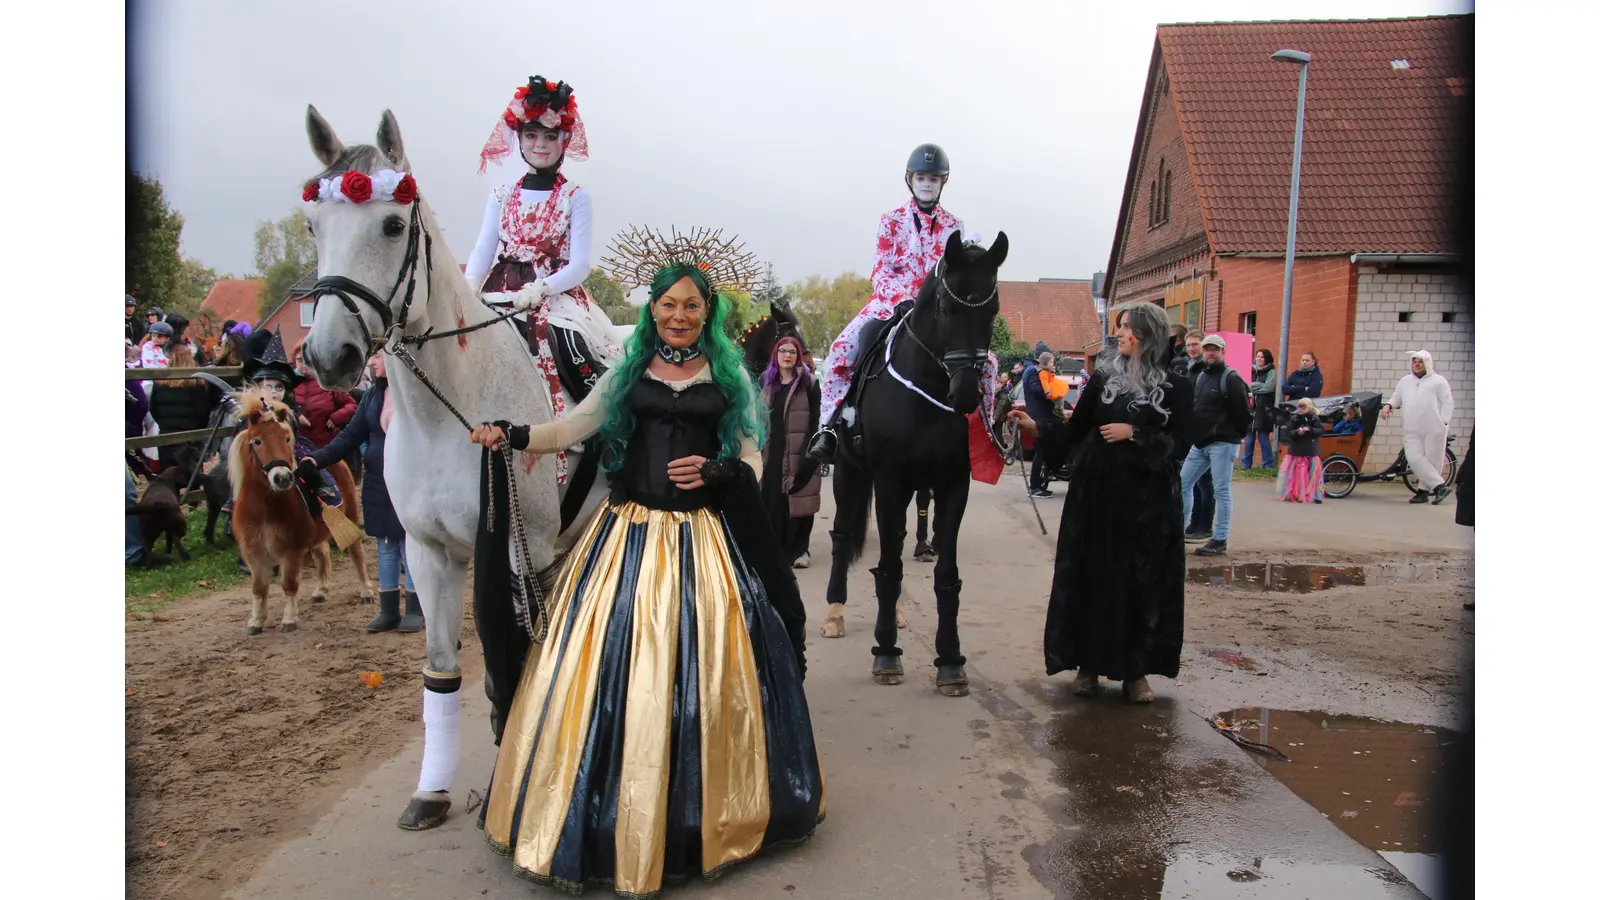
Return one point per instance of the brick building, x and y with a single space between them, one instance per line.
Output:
1377 272
1058 311
291 318
234 298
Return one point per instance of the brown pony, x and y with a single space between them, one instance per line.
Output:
270 518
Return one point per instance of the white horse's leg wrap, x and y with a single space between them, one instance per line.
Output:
441 738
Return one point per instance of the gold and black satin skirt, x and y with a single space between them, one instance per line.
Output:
664 732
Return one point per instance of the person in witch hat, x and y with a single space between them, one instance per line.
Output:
267 367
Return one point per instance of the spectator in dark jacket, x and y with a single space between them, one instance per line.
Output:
1263 385
132 324
181 405
1040 409
369 425
1186 362
1221 418
322 412
1305 381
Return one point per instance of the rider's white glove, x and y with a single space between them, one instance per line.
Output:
532 296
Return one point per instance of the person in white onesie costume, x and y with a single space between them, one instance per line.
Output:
1425 397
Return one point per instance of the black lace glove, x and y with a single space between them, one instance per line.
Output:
516 435
719 472
306 471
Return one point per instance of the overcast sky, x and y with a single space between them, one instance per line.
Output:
788 124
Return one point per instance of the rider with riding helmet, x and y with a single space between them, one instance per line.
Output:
153 355
533 249
911 241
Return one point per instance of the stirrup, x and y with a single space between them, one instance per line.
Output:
823 445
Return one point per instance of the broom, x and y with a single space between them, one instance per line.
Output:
343 531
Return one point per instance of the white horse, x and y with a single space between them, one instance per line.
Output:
431 469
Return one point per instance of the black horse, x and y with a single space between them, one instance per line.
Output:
911 437
758 339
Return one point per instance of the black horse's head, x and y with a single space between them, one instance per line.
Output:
759 338
961 298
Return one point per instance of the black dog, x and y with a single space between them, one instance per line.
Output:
218 492
160 510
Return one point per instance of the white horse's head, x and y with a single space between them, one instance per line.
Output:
365 249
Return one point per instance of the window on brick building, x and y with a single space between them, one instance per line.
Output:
1405 317
1161 195
1448 317
307 310
1247 323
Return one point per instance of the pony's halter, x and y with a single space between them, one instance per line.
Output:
344 288
267 467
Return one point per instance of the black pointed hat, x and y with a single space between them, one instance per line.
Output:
264 358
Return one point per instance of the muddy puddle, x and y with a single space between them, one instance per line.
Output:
1377 781
1304 579
1151 808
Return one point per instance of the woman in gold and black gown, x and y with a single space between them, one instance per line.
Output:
664 732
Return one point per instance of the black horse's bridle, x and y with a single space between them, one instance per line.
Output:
349 290
953 361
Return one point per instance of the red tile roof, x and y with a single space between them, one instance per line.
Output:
1381 137
1060 313
235 298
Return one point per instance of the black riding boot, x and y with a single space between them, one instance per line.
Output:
388 612
824 444
412 621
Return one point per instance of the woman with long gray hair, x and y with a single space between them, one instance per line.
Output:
1116 601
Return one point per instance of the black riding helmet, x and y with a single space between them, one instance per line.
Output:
928 159
161 328
154 311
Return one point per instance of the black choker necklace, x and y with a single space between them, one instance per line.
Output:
679 355
539 180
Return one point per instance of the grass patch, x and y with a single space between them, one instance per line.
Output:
1254 474
208 569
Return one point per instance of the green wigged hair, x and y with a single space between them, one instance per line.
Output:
745 417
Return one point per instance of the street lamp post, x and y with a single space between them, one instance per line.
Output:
1303 60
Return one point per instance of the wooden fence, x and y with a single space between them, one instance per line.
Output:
226 373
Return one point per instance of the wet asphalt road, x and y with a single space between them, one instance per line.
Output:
1020 790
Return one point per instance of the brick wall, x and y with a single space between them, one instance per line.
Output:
1382 341
286 321
1322 313
1135 278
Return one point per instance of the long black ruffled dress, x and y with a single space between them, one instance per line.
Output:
1116 602
663 733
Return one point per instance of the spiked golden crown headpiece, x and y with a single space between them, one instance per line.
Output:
637 255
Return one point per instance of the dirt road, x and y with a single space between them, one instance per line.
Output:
1017 791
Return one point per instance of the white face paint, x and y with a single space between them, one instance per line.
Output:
271 389
926 188
541 147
